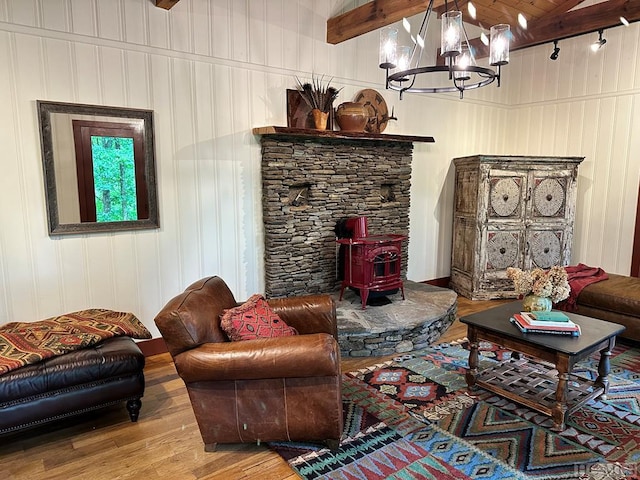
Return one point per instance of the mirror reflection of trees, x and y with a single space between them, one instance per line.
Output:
114 178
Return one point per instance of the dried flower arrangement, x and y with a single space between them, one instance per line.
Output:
550 283
317 95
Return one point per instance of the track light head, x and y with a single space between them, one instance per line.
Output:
556 50
598 44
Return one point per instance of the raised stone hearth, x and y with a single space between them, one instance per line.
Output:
398 327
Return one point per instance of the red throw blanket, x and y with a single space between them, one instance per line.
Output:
23 343
579 276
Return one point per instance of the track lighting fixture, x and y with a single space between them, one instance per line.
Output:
556 50
598 44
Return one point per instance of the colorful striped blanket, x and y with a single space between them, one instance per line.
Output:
24 343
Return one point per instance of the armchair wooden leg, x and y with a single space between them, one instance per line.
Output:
210 447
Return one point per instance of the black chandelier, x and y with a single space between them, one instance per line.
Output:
402 63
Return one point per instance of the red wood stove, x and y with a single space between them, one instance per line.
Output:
370 263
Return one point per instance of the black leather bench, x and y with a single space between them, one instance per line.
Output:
108 373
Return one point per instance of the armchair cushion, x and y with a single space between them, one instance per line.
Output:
254 319
303 356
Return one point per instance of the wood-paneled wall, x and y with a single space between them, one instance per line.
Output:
588 104
212 70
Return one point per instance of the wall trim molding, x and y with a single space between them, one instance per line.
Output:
439 282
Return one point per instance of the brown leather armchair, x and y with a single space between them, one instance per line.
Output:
271 389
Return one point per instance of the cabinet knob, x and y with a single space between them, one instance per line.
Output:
549 197
503 250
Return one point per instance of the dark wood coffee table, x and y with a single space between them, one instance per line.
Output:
530 382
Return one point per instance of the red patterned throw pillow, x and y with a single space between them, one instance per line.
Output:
254 319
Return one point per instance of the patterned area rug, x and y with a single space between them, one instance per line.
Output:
413 418
24 343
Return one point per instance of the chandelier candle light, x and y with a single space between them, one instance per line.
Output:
403 63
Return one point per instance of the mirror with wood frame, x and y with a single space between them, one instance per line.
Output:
99 168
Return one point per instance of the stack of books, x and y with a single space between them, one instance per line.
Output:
554 322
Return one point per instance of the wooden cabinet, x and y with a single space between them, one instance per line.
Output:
510 211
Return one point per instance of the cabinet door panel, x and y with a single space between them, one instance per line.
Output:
506 195
546 248
466 191
502 249
464 241
549 193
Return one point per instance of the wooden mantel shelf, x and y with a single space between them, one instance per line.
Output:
303 132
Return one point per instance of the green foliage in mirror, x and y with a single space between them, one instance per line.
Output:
114 178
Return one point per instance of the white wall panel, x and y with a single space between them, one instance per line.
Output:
71 261
137 80
109 20
239 32
135 24
611 66
220 29
22 12
182 29
274 32
305 38
54 15
83 17
201 26
160 26
58 70
87 62
169 259
112 76
101 259
630 38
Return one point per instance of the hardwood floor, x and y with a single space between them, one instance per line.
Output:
164 443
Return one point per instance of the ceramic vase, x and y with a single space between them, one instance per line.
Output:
534 303
320 119
352 117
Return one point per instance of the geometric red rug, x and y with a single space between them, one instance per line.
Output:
413 418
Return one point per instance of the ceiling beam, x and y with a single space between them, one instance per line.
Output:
576 22
373 15
563 7
557 26
568 24
166 4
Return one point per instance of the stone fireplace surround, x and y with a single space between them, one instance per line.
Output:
312 179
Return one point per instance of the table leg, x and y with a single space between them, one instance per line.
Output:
472 371
604 367
559 410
